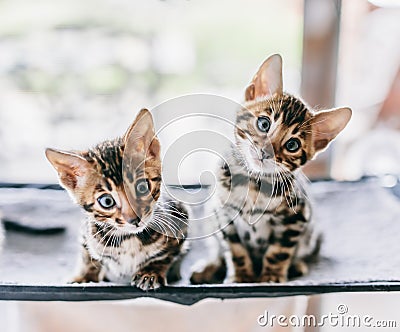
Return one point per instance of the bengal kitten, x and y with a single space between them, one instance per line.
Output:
131 229
266 219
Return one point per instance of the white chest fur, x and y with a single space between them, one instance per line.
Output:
252 205
251 211
121 262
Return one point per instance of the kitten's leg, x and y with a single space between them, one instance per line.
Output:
174 272
154 274
89 268
276 263
282 249
241 260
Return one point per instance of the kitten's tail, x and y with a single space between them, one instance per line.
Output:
299 267
174 272
312 257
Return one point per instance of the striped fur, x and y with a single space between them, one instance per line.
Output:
141 235
262 208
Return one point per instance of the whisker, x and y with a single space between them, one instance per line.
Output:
172 226
160 225
105 246
103 237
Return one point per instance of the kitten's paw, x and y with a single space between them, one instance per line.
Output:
76 280
273 278
198 278
148 281
82 279
243 279
207 276
297 269
213 273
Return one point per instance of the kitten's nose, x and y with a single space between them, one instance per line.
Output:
134 221
267 152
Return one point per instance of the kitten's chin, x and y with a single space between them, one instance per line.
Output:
255 165
127 229
263 167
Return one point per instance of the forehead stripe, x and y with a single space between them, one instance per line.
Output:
108 155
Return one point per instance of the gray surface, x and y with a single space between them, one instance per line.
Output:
39 258
360 222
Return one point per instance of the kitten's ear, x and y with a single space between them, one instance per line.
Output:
141 135
71 167
327 125
268 79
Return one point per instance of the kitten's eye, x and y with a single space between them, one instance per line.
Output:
142 187
106 201
293 145
263 123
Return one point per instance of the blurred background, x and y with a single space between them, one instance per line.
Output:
73 73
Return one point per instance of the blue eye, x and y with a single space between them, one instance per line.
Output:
142 187
293 145
263 123
106 201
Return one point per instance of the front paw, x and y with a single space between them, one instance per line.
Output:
243 279
83 279
273 278
148 281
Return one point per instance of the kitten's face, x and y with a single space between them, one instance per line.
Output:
277 132
274 133
117 182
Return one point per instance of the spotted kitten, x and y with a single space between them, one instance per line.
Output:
130 233
266 216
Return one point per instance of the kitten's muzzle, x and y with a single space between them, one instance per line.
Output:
134 221
267 153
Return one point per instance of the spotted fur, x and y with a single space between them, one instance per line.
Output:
141 235
263 208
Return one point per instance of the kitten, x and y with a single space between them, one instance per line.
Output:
266 216
130 233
